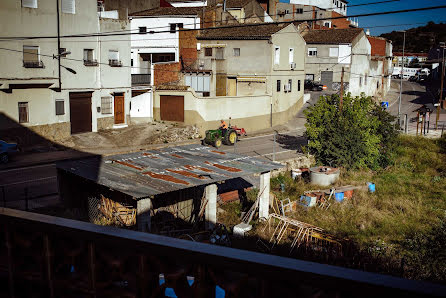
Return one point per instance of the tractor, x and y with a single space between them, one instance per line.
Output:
217 137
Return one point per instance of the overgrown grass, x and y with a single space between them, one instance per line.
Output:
402 219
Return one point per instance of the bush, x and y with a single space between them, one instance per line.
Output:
360 136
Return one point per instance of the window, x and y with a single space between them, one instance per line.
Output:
106 105
287 11
180 25
131 62
291 55
23 112
29 3
143 30
290 84
31 57
62 50
220 53
200 83
60 107
334 52
309 76
208 52
236 52
113 58
360 81
89 58
278 85
300 10
298 85
365 79
173 28
312 51
327 24
277 55
69 6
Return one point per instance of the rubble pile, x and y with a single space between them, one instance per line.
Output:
177 134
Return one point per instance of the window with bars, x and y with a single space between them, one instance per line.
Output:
31 57
106 105
299 10
312 51
60 107
208 52
23 112
89 58
113 58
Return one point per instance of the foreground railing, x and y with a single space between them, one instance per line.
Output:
45 256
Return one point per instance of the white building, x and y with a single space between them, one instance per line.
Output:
159 38
339 6
36 98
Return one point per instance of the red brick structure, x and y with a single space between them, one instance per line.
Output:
339 23
378 45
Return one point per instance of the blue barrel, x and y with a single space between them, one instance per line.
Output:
339 196
371 186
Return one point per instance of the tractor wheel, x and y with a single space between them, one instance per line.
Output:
217 143
231 137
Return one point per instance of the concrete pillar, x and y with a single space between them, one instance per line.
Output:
143 208
264 197
211 206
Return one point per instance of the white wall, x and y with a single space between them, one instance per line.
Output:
142 106
164 42
360 66
325 4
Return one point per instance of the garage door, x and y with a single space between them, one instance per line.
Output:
80 112
327 79
172 108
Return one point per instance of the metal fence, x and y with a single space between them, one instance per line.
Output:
45 256
423 127
140 79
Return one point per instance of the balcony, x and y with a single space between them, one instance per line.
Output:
93 62
33 64
141 79
114 63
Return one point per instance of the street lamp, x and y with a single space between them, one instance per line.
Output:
401 79
64 53
440 100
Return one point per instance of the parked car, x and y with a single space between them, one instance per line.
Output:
5 150
413 78
313 86
422 78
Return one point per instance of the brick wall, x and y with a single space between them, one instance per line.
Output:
339 23
378 46
188 47
166 73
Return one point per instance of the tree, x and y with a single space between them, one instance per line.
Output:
360 136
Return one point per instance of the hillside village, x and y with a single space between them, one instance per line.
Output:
221 148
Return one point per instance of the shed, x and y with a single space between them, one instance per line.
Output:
147 180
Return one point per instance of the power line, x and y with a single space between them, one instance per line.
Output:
237 26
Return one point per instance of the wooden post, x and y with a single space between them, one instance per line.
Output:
47 248
422 124
10 263
342 90
418 121
92 268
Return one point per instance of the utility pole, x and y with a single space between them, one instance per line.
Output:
58 45
440 100
401 79
341 100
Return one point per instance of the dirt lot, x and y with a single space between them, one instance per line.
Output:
132 136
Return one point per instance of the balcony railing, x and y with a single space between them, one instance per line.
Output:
48 256
33 64
141 79
114 63
93 62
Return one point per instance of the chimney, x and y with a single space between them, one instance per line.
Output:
367 32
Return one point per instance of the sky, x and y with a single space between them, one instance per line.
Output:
411 19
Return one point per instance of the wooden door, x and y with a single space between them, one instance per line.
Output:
221 85
172 108
119 109
232 87
80 112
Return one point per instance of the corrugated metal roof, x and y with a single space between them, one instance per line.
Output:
147 173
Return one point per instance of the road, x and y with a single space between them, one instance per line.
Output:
35 184
414 96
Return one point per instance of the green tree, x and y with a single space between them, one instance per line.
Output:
360 136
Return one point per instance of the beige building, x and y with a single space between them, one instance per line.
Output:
34 97
253 74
